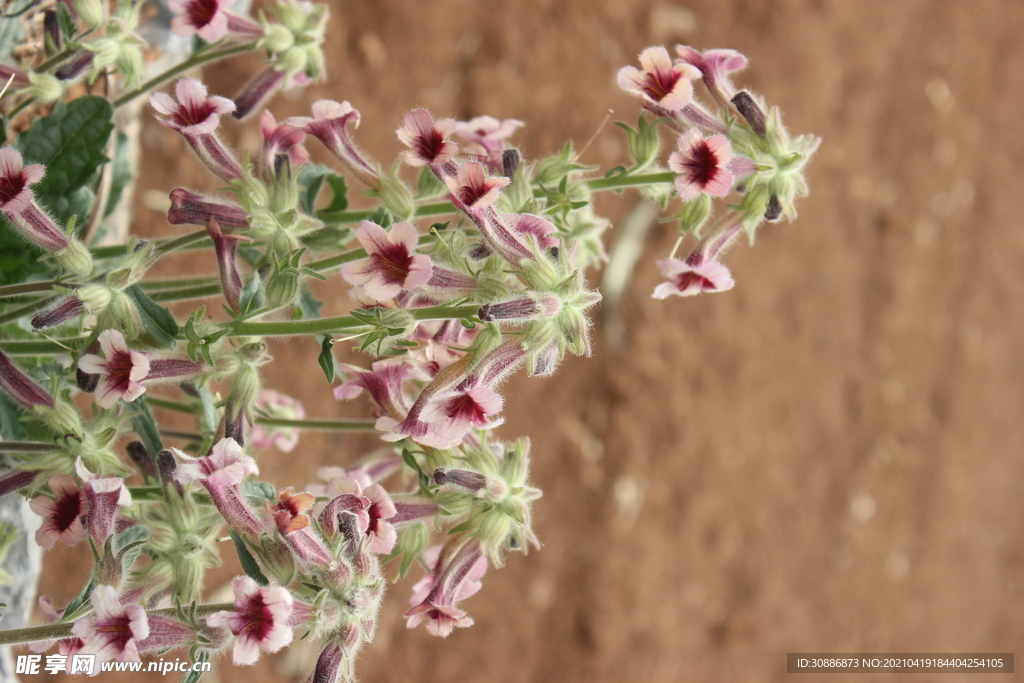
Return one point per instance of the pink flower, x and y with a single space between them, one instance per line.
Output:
260 619
473 188
63 513
205 17
667 85
486 137
196 116
391 264
686 280
121 370
281 138
194 113
384 384
329 125
105 495
227 462
715 67
113 630
454 576
427 139
703 165
195 209
17 202
277 405
701 271
371 507
453 413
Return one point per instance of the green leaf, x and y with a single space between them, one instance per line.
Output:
194 676
19 260
410 460
308 305
129 544
251 298
121 171
10 426
256 492
145 426
326 359
339 192
81 599
66 22
70 142
311 179
248 562
157 320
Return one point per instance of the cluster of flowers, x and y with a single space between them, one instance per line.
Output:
448 313
735 144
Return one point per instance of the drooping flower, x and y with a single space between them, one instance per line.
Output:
281 138
427 139
715 67
453 413
226 249
660 82
472 186
221 473
371 506
701 271
703 165
486 136
208 18
105 496
121 370
113 630
17 201
259 621
19 386
384 383
454 576
196 116
62 514
329 125
391 264
277 405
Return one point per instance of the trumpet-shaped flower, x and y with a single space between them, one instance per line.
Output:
121 370
62 514
703 165
113 630
391 264
427 139
472 186
660 82
259 620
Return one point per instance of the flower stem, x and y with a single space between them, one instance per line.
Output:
157 285
26 447
192 239
620 181
194 60
38 347
186 293
344 323
320 425
28 288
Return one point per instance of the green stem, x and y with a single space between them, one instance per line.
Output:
28 288
325 425
344 323
194 60
23 310
186 293
156 285
38 347
62 630
26 447
155 402
192 239
335 261
620 181
433 209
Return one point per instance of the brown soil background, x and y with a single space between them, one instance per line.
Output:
708 485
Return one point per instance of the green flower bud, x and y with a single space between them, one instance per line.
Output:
75 257
276 38
89 11
694 214
44 87
95 298
120 314
293 60
644 143
282 287
397 197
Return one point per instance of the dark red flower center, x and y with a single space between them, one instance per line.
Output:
66 511
201 12
392 263
702 164
10 186
119 370
658 85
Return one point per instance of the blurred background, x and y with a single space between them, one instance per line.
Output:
825 459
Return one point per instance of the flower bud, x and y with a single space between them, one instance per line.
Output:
644 143
89 11
282 287
694 214
45 87
75 257
276 38
397 197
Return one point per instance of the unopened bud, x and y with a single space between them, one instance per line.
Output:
89 11
397 197
75 257
751 111
694 213
276 38
45 87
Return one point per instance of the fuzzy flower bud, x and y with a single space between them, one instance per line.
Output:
45 87
75 257
89 11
